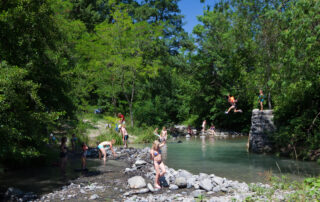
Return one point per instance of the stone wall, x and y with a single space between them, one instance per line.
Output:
262 127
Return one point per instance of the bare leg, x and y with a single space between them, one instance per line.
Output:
163 169
261 106
230 108
156 180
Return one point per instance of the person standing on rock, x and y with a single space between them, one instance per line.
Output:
233 102
102 150
163 135
155 155
261 99
125 135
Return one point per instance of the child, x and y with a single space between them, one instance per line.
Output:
121 116
84 156
125 135
155 155
261 99
232 101
155 132
213 130
102 150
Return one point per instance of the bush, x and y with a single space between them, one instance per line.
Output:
110 136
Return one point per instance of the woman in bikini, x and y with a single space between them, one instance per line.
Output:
155 155
102 150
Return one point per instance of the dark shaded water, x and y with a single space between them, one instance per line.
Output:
229 158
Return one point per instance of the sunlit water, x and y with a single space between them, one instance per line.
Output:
229 158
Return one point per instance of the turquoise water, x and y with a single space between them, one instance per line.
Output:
229 158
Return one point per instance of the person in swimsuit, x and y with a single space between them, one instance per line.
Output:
204 123
63 153
84 156
163 135
213 130
155 155
125 135
261 99
233 102
102 150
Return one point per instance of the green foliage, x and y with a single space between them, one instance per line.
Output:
110 136
145 135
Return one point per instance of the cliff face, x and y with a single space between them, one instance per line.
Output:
262 128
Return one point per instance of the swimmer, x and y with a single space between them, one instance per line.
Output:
63 153
232 102
155 155
102 150
204 123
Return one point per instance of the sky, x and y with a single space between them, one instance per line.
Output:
191 9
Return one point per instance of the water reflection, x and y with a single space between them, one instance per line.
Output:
203 146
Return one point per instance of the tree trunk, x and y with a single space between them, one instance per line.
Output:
269 100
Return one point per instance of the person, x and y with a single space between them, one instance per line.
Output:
121 116
155 155
84 156
52 139
163 135
204 123
190 131
63 153
73 142
102 150
213 129
232 102
261 99
125 135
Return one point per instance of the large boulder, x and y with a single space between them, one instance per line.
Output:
185 174
181 182
136 182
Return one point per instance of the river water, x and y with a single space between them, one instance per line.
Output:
229 158
223 157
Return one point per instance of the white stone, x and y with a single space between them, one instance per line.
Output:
136 182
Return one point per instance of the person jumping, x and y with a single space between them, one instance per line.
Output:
233 102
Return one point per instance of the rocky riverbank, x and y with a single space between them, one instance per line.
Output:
132 180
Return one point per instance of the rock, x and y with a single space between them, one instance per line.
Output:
127 170
181 182
203 176
173 187
94 197
185 174
216 189
196 186
136 182
197 193
190 182
150 187
140 162
13 191
142 191
206 184
217 180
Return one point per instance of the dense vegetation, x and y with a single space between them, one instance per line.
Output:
59 57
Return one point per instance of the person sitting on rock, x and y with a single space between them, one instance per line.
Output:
233 102
213 130
102 150
155 155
